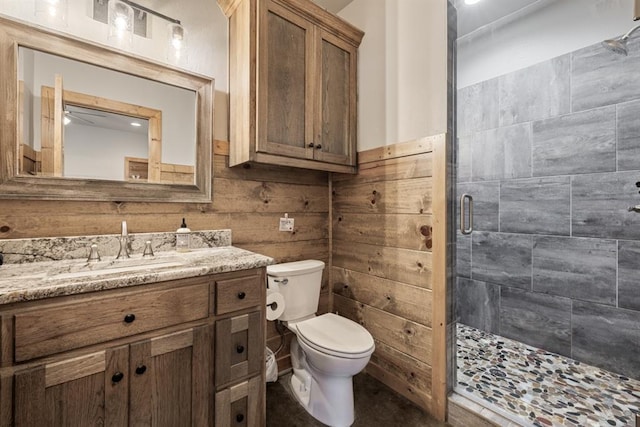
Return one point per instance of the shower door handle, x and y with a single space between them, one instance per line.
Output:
465 200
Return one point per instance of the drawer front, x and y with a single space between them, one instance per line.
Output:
52 330
239 293
239 348
241 405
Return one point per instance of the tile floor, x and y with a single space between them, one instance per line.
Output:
539 388
376 405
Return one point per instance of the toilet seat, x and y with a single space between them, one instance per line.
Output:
335 335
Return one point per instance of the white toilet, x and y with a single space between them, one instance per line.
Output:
327 351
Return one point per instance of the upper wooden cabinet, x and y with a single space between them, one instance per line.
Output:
293 85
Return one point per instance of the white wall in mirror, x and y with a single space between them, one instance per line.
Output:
178 105
204 21
103 157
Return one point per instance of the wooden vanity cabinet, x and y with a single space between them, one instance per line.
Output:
293 85
164 377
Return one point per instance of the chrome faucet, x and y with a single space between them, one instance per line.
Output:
125 243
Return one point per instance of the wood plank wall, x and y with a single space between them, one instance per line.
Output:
249 201
382 263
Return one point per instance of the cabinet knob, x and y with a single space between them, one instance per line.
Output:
318 146
239 418
141 370
241 295
117 377
311 145
240 349
129 318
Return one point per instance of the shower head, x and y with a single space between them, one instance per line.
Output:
619 44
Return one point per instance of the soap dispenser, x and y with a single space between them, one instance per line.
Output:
183 238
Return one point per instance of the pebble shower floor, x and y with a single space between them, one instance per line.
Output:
538 388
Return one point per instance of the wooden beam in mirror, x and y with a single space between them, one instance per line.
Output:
21 163
102 113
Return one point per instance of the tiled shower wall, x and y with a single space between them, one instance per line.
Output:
551 156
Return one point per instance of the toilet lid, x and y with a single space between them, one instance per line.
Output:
335 334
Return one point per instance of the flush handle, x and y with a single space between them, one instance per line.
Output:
281 281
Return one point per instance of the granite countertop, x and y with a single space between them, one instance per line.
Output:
29 281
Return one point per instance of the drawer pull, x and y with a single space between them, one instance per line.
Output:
318 146
141 370
117 377
129 318
239 418
240 349
241 295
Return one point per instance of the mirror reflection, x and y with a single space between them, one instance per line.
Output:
77 120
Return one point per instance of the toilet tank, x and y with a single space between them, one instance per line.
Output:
299 283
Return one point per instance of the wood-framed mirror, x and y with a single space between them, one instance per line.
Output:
25 122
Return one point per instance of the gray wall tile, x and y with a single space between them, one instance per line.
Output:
629 275
576 143
535 93
577 268
487 156
607 337
479 305
540 320
463 255
501 153
517 141
539 205
600 205
600 77
485 204
501 258
477 107
464 159
628 126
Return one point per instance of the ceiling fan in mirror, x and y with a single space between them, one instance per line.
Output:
82 114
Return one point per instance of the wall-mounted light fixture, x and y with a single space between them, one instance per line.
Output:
52 12
120 19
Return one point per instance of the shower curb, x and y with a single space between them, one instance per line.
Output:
464 412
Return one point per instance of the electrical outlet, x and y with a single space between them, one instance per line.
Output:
286 224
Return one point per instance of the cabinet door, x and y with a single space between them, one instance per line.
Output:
239 347
171 379
335 126
89 390
241 405
285 99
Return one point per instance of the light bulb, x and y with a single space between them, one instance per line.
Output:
177 46
120 18
121 23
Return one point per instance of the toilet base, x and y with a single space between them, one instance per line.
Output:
329 401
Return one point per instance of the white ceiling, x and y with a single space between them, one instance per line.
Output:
472 17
